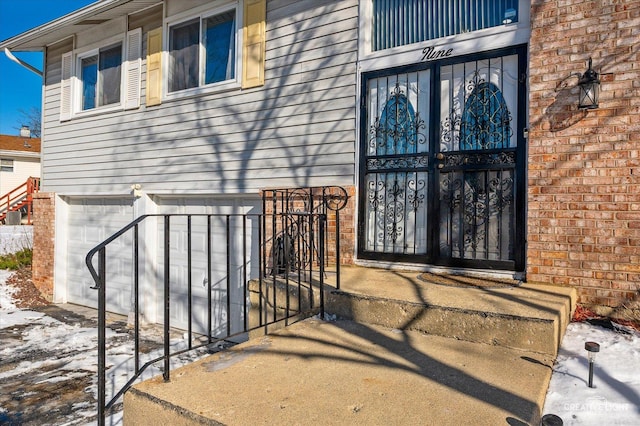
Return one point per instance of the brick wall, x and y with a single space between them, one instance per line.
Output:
43 242
584 166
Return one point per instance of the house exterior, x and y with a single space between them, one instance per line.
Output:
19 160
454 127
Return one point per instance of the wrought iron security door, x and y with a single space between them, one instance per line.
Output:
442 177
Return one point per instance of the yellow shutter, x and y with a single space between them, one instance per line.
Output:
154 67
253 34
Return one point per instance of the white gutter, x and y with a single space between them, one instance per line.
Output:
21 62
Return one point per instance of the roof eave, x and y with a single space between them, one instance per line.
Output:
64 27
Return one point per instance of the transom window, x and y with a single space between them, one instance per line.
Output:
100 74
202 51
402 22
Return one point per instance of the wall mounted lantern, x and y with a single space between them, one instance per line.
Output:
592 349
589 84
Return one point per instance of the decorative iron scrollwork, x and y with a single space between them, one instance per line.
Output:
413 162
398 129
457 159
483 123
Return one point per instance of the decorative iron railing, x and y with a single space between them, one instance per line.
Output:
258 289
298 246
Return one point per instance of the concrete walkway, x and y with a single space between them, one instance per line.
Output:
346 373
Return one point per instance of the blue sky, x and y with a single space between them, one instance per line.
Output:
19 87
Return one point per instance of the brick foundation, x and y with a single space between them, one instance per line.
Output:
584 166
43 242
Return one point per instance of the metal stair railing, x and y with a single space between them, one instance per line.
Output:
19 197
268 287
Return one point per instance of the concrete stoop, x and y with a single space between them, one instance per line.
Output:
401 352
493 321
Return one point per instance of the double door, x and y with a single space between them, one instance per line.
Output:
443 163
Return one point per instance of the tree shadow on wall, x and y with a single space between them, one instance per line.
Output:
563 112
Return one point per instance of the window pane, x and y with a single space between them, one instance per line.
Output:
183 52
6 165
402 22
109 87
89 80
219 40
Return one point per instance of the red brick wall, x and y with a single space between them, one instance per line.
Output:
43 242
584 166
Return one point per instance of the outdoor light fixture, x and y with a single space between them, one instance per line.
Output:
592 349
589 84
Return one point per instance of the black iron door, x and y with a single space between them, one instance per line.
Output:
442 176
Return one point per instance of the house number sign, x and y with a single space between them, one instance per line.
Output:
430 53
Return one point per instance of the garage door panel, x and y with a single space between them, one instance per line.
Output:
91 221
199 259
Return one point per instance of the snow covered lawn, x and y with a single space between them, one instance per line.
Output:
615 396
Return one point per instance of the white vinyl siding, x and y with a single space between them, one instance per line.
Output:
298 129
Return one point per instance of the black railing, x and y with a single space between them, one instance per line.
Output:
273 274
325 200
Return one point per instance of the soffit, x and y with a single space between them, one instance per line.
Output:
53 31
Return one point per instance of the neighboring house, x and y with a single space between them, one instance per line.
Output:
455 125
19 160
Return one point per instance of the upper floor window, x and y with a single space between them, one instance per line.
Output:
202 51
6 165
402 22
100 76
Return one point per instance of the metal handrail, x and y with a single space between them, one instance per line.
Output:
12 201
292 282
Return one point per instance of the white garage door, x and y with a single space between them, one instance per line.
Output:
91 221
220 287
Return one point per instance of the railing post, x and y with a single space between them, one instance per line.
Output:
228 266
136 296
189 282
167 269
209 285
322 227
102 351
337 212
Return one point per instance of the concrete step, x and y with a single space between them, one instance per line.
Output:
531 317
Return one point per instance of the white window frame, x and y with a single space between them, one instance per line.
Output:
7 165
78 56
96 52
201 14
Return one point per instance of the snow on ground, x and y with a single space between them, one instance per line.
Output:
53 357
615 396
6 301
614 399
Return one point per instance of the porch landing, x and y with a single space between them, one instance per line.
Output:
378 366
